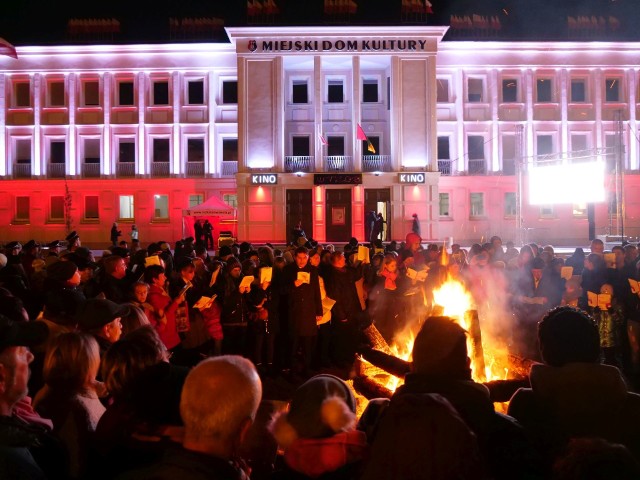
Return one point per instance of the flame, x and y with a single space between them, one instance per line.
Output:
454 299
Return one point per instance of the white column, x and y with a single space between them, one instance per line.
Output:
317 107
356 113
39 162
142 163
176 161
211 164
72 80
4 158
596 94
460 101
563 94
494 98
107 166
528 130
632 143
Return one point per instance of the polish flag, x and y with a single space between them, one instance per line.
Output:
360 135
7 49
323 140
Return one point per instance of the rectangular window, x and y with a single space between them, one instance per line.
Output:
56 212
23 151
195 199
126 207
509 90
92 150
299 92
543 90
547 211
161 150
509 154
195 92
91 93
56 94
335 93
509 204
91 210
443 148
375 143
230 92
335 147
612 86
160 206
474 90
442 95
58 151
125 94
22 94
23 209
544 144
370 91
475 147
578 142
579 209
476 204
127 151
230 150
300 146
195 150
444 205
161 93
578 90
230 199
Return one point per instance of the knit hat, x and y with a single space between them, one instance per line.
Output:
320 408
440 347
225 250
61 271
412 238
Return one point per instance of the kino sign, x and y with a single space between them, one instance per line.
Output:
264 179
417 177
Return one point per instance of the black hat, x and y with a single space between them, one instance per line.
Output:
13 245
61 271
21 334
224 251
97 312
121 252
82 262
54 244
72 236
30 244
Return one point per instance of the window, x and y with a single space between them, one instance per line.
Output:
476 201
230 150
443 148
126 207
161 150
475 147
370 91
56 93
578 90
91 210
547 211
578 142
195 92
544 144
195 150
612 146
335 147
335 92
125 94
509 204
299 92
444 205
612 93
474 90
195 199
442 95
509 154
127 151
23 151
509 90
161 93
58 151
579 209
23 209
92 150
160 206
22 94
230 199
56 213
375 143
543 90
230 92
91 93
300 146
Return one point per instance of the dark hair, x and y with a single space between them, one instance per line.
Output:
566 335
151 272
301 250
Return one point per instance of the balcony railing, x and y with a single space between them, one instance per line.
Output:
159 169
229 168
376 163
126 169
91 170
195 169
338 163
56 170
477 167
298 163
21 170
445 167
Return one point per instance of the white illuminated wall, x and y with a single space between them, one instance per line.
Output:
567 184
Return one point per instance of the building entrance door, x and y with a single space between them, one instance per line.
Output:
299 210
338 216
377 201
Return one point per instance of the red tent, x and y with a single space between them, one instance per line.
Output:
221 216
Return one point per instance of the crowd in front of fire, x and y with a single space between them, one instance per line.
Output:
151 363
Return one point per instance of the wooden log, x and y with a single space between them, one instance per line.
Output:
376 340
477 352
370 388
389 363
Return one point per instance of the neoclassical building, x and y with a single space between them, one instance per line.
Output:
320 125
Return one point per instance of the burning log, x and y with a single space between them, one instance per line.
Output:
387 362
476 353
520 366
376 340
503 390
370 388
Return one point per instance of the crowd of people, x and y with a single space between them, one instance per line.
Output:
151 362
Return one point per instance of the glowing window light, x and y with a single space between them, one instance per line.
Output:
567 183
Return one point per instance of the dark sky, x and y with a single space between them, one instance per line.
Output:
26 22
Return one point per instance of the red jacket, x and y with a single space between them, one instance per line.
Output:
164 324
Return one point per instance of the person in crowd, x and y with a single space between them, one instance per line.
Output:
207 231
73 242
113 283
101 318
415 224
260 329
218 405
572 394
135 319
115 233
597 246
163 317
53 252
233 316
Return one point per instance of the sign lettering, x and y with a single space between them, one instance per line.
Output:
417 177
264 179
387 45
337 179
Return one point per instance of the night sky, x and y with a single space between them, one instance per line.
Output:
31 22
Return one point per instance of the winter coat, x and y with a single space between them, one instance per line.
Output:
305 303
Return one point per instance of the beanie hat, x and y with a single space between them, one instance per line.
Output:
412 238
224 251
320 408
440 347
61 271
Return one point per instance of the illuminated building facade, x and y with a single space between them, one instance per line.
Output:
269 123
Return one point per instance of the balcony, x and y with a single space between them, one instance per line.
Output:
195 169
445 167
91 170
56 170
298 163
376 163
159 169
126 169
477 167
229 168
22 170
338 163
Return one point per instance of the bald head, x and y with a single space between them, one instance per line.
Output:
220 399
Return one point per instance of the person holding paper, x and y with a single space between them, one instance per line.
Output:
163 317
233 317
300 280
609 317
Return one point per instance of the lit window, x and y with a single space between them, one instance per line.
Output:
476 201
509 204
444 205
230 199
547 211
195 199
126 207
160 206
579 209
23 209
56 213
91 210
